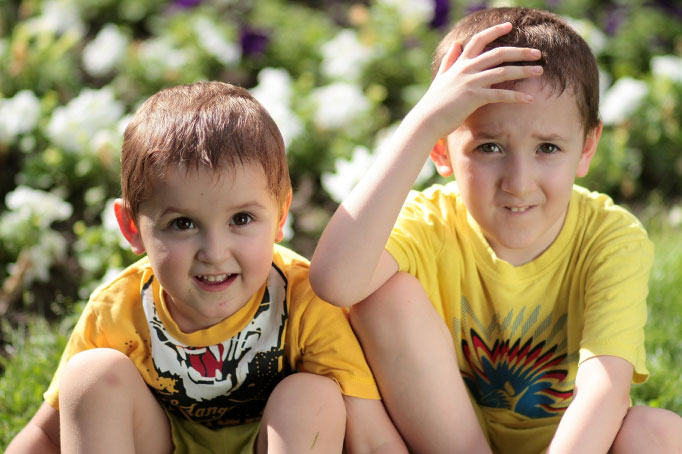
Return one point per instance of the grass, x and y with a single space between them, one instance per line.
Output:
664 327
37 347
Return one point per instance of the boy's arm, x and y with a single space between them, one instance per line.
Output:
41 434
350 262
600 402
369 429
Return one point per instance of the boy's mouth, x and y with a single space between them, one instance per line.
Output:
519 209
214 278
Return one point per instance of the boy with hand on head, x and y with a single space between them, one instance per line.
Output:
542 284
214 342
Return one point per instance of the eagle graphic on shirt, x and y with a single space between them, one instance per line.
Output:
517 362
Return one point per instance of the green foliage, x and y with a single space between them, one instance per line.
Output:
664 328
336 76
35 351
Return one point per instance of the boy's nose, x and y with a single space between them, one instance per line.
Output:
213 248
519 176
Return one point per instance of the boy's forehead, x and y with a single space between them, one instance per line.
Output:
557 113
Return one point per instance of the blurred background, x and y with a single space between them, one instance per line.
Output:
336 76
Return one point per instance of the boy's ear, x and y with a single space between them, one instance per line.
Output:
590 147
126 224
279 236
439 156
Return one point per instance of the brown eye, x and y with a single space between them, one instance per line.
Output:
548 148
241 219
489 148
182 223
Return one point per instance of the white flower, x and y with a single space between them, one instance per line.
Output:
338 104
105 52
675 216
213 41
345 57
159 55
346 174
622 99
667 66
18 115
73 126
58 16
383 146
419 10
40 207
51 247
594 37
274 93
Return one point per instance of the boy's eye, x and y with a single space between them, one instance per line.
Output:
489 148
548 148
241 219
182 224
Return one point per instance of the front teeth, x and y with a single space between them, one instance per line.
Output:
518 209
213 279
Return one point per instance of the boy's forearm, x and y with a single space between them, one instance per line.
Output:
593 419
41 434
348 252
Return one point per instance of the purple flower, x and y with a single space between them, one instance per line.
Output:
186 4
613 20
252 41
473 7
672 7
441 13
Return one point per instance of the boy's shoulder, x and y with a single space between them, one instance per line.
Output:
124 283
597 210
438 199
295 268
595 224
286 258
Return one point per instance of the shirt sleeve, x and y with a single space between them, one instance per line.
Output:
321 341
615 300
416 240
85 336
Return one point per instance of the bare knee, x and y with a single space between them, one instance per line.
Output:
396 302
647 429
96 374
304 412
302 392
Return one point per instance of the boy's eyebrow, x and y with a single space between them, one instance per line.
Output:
246 206
487 132
552 137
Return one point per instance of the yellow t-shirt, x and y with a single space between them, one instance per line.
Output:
521 332
223 375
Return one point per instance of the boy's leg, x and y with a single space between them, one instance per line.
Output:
305 413
647 429
413 359
106 407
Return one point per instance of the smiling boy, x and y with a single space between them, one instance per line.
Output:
214 342
541 284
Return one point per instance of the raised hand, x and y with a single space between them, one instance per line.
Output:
469 78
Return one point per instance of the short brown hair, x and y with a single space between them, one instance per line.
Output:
209 124
567 60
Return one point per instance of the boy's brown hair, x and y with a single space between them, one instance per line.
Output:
567 60
211 124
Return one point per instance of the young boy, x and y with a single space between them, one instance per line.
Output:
541 284
214 342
